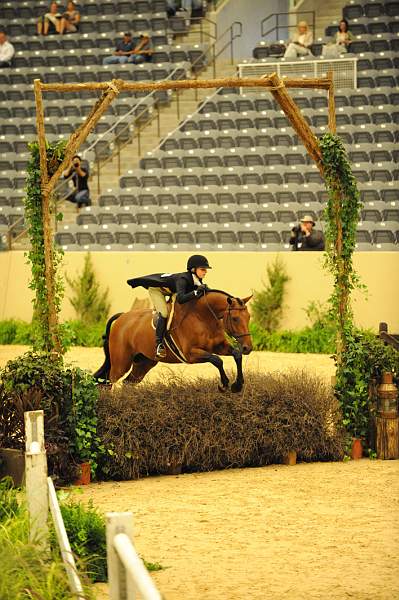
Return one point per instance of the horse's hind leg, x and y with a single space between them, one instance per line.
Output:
140 368
120 364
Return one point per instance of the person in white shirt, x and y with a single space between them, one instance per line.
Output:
6 50
301 42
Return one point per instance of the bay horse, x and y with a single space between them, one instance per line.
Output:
199 330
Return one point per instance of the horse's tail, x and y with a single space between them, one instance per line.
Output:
102 375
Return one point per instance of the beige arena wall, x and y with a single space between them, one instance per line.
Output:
237 272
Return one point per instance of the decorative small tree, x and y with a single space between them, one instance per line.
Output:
91 305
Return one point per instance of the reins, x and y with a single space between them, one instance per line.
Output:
229 318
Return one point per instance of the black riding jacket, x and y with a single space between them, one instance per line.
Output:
181 284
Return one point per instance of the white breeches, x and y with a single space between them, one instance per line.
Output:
158 300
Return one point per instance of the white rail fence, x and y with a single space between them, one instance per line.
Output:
344 70
128 578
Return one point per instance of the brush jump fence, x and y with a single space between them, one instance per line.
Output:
128 578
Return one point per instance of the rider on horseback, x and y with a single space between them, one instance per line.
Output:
186 286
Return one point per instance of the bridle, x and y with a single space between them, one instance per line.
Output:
228 319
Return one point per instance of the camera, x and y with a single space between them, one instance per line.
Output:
296 229
76 163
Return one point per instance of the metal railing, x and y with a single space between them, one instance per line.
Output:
278 25
133 121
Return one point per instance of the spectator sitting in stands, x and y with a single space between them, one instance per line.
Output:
6 50
70 19
343 39
300 43
130 51
51 22
305 238
79 171
173 6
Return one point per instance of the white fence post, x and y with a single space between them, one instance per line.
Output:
36 477
117 580
127 575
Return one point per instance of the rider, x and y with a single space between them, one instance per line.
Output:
186 286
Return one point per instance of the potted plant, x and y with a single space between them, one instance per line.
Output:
364 360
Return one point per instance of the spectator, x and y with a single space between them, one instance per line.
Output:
79 173
305 238
173 6
51 22
70 19
6 50
300 43
127 50
343 39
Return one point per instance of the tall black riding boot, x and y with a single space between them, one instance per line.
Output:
159 335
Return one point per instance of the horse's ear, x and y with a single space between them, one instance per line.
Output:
229 300
247 299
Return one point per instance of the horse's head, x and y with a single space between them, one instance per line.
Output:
236 322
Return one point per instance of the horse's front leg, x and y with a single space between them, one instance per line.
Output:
239 382
225 349
197 355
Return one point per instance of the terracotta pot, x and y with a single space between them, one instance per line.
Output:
357 448
290 458
85 474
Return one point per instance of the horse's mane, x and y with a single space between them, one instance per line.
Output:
225 294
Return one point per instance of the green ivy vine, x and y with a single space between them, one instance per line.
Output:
342 215
43 340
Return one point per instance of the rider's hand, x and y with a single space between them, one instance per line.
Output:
200 291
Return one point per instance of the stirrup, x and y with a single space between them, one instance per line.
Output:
161 351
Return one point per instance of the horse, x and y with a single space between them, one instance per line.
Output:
198 330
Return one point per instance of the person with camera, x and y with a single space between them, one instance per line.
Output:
305 238
78 173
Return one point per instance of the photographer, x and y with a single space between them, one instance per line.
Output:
305 238
79 174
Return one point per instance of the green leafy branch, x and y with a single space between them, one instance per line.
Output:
42 338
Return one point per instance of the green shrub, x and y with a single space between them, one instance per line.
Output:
27 571
85 527
90 304
267 304
8 499
77 333
74 333
315 340
365 357
12 330
68 397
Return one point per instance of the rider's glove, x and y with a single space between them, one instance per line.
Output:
200 291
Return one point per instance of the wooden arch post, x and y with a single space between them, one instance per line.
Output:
277 86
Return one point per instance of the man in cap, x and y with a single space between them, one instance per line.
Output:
304 237
142 50
122 51
187 286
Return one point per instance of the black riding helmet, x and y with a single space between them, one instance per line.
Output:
197 261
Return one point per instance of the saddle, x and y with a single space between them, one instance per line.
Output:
168 339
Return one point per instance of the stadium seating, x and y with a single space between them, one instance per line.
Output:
234 176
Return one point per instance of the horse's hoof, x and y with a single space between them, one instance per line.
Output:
223 388
236 387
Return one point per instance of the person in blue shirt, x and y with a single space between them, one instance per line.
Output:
130 51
